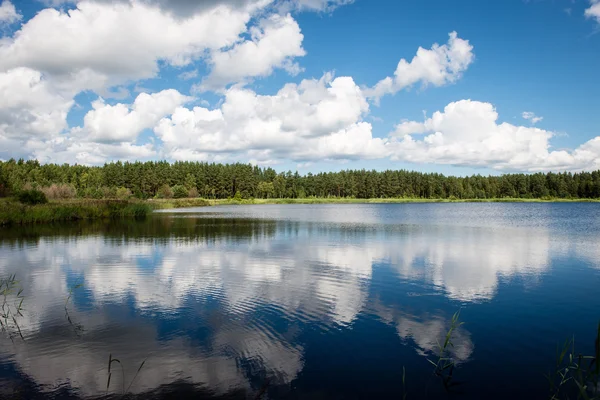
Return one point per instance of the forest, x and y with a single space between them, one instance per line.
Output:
161 179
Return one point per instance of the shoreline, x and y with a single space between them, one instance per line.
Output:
14 213
161 204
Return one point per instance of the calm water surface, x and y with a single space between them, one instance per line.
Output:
302 301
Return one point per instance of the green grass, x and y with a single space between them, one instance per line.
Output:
343 200
12 212
159 204
15 213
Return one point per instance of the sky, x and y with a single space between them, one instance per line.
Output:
459 87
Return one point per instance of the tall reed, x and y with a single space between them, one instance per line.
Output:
576 375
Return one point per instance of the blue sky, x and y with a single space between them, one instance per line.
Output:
89 82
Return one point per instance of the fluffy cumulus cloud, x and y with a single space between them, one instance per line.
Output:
59 53
468 133
71 149
106 47
437 66
102 44
30 105
273 44
594 10
122 122
315 119
30 108
8 13
109 131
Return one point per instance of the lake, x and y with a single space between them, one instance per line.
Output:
301 301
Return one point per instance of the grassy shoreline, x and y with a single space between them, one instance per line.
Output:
180 203
14 213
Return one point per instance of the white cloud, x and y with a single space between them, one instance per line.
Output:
594 10
274 43
64 149
103 45
189 75
184 8
314 119
109 131
320 5
528 115
437 66
122 123
98 45
58 53
8 13
468 133
30 106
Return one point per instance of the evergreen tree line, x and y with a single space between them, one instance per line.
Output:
220 181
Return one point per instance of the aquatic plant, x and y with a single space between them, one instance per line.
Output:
404 392
12 305
576 373
71 290
78 328
112 360
444 365
263 389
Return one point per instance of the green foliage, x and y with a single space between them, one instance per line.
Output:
178 203
109 192
93 193
123 193
444 365
32 197
266 190
180 191
576 375
190 182
16 214
223 181
164 192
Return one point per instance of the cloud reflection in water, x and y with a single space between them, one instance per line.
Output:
227 306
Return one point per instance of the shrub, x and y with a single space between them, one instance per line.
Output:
27 186
93 193
123 193
164 192
32 197
138 194
193 193
109 192
179 191
60 191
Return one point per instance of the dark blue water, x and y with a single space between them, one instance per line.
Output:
302 301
